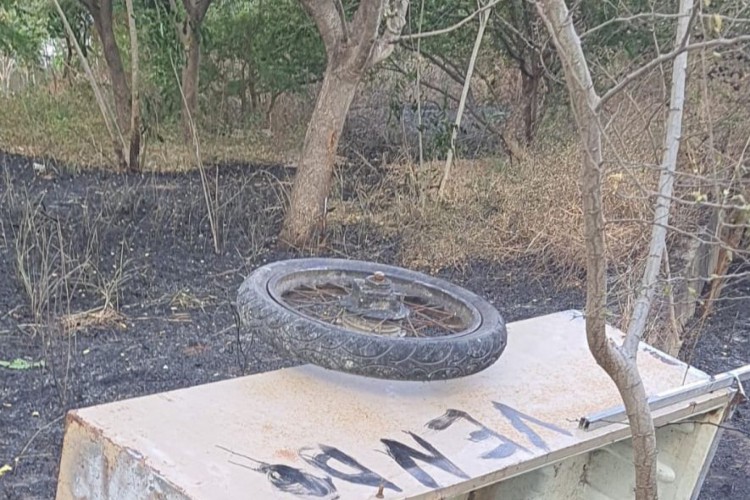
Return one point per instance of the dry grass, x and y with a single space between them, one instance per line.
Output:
531 208
101 317
64 125
184 300
496 211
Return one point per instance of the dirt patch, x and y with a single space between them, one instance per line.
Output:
130 299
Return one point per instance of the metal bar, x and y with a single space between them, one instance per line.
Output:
617 414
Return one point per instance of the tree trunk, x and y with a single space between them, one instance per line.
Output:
312 182
244 84
135 104
672 137
268 121
254 96
622 369
188 32
102 15
618 361
352 47
110 119
530 90
190 81
68 57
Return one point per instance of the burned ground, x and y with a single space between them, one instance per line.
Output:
112 282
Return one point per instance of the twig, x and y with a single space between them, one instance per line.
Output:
211 201
672 137
462 104
719 42
714 424
627 19
454 27
36 434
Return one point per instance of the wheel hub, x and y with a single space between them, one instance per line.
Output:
373 298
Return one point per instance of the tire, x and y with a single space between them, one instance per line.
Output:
305 338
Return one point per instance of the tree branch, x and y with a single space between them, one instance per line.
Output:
454 27
368 14
201 7
627 19
462 104
342 16
718 42
672 138
441 64
178 25
326 18
395 20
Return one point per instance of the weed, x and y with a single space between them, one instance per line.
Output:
44 267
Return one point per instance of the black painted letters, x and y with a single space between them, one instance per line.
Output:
405 457
365 476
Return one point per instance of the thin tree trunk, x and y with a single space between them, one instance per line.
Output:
101 12
666 182
244 84
314 172
268 120
622 369
135 113
188 33
352 47
68 57
190 73
483 17
618 362
530 91
115 134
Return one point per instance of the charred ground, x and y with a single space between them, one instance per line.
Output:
112 281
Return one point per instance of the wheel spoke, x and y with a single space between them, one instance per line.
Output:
426 317
415 330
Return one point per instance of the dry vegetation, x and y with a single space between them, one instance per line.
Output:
496 208
63 124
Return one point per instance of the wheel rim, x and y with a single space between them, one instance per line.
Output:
325 296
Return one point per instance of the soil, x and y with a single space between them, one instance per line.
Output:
142 245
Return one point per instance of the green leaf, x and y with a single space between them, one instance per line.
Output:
21 364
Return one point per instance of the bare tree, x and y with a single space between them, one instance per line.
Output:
518 32
353 46
101 13
110 121
135 101
619 361
127 102
188 32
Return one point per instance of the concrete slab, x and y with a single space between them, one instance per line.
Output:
312 433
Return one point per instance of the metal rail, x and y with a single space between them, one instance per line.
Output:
617 414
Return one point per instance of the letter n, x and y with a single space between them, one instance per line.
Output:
406 457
